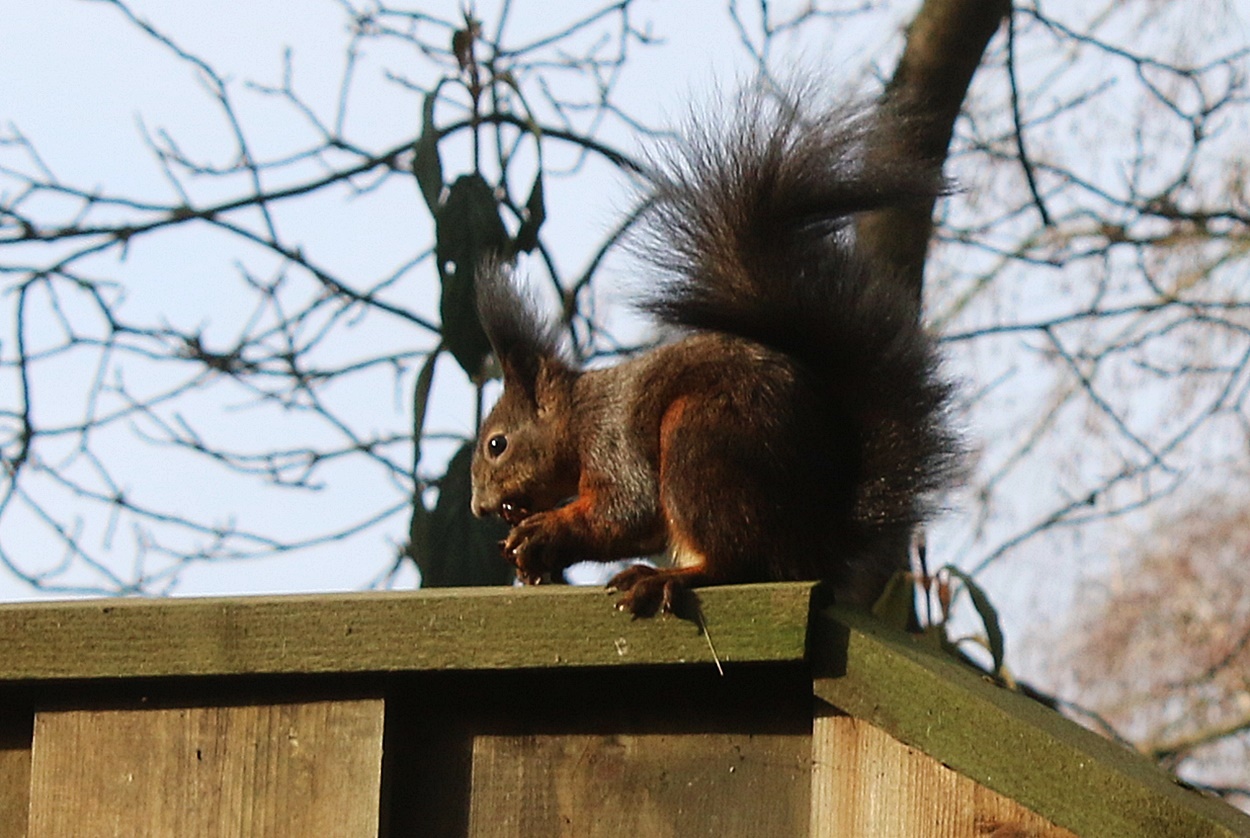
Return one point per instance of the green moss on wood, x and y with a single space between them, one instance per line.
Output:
444 629
999 739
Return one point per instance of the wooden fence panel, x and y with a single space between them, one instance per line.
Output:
14 772
866 784
310 768
657 785
537 712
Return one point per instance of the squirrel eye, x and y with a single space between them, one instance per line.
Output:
497 444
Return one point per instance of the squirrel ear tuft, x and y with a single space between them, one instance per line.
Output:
524 343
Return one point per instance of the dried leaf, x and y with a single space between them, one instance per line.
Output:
989 616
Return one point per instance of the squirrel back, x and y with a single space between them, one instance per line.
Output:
750 224
797 431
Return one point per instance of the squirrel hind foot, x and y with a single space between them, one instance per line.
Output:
646 591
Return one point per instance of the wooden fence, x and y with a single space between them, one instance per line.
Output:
539 712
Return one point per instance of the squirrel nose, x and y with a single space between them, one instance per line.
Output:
483 504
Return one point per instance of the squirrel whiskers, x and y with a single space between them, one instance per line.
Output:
797 430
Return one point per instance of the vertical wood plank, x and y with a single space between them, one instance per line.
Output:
657 785
262 770
866 784
15 732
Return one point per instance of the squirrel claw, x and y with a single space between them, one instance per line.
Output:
646 591
535 549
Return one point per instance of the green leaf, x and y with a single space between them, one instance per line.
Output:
463 550
894 606
468 229
427 166
989 616
535 214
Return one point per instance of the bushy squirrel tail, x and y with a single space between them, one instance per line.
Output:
751 224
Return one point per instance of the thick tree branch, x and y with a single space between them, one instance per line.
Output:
945 44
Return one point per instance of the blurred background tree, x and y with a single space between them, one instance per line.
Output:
238 353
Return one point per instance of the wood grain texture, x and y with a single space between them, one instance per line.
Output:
15 733
515 662
262 770
464 629
866 784
1002 740
659 786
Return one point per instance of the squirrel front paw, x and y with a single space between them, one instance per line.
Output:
534 548
646 590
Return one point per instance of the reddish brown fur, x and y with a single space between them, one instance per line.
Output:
796 430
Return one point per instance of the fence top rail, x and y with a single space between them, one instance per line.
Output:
434 630
998 738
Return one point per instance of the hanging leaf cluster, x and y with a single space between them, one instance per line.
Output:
896 607
449 545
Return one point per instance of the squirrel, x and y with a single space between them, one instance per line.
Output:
797 430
